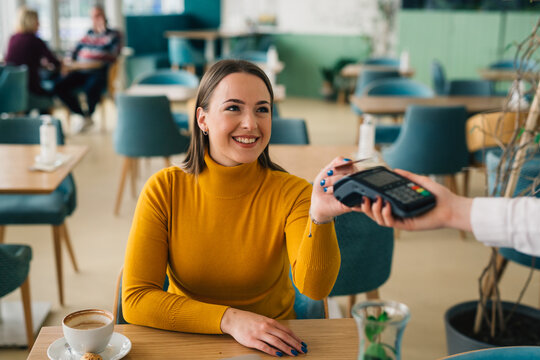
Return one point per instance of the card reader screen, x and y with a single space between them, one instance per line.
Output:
381 178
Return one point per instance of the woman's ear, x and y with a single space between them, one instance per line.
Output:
201 119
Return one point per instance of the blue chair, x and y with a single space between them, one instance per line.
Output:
509 64
529 172
14 89
366 256
384 61
304 307
388 133
289 131
254 56
51 209
470 88
365 79
14 273
501 353
183 54
168 77
145 128
440 85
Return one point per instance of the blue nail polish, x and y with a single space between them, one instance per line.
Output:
279 353
330 172
347 159
323 181
304 349
304 344
294 352
325 189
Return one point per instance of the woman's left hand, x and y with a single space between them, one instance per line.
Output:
324 206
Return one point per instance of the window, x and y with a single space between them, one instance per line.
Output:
135 7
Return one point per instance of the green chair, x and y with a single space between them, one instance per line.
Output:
440 85
13 89
289 131
383 61
145 129
14 273
366 256
500 353
470 88
32 209
172 77
183 54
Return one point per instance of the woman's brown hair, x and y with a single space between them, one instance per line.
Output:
194 162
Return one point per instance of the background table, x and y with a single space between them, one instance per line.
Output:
353 70
506 75
399 104
306 161
15 161
326 339
175 93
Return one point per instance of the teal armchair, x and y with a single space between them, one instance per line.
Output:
14 89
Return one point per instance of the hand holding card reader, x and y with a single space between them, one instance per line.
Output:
407 198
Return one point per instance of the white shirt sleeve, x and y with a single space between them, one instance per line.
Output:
504 222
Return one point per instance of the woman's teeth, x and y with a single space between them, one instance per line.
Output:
244 140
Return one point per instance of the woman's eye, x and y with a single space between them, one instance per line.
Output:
264 109
233 108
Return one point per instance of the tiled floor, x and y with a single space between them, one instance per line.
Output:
431 270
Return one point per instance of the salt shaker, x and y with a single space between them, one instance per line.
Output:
47 141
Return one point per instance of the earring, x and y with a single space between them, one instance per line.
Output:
205 133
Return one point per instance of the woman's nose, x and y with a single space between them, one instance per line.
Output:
249 122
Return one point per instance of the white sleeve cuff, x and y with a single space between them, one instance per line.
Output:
488 221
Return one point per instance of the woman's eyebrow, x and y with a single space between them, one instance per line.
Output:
238 101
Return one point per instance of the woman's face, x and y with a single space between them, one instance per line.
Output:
238 119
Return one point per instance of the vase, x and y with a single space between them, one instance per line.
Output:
380 329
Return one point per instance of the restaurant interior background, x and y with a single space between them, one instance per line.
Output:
431 270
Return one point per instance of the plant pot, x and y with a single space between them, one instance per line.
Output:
458 342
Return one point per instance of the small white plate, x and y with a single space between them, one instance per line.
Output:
59 160
119 346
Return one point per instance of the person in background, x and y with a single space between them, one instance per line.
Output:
499 222
90 62
230 225
26 48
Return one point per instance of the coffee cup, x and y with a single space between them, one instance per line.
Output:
88 330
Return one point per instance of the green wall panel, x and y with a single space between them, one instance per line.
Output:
518 26
305 55
462 41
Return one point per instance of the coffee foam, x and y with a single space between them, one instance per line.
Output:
87 316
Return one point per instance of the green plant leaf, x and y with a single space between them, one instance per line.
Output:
383 316
375 352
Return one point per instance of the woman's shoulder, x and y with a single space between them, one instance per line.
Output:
288 182
170 174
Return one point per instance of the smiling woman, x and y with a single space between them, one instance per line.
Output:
230 225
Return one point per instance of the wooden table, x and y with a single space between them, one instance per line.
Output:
506 74
326 339
353 70
399 104
15 161
306 161
175 93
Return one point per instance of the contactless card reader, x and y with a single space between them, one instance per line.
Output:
407 198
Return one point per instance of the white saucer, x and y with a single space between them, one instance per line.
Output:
119 346
58 161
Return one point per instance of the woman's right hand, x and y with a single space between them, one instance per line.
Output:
261 333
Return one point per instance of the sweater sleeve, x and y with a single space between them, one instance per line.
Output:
47 54
144 302
313 249
503 222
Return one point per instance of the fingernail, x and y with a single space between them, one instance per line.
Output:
304 349
323 181
294 352
347 159
279 353
330 172
325 189
304 344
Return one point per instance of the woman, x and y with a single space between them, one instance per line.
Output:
228 226
25 48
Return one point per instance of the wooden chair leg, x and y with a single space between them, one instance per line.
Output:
2 233
134 172
57 240
103 117
27 308
68 120
167 160
466 174
117 295
373 295
352 301
126 167
67 241
326 314
452 185
397 234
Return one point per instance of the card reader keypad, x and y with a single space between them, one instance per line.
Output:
408 193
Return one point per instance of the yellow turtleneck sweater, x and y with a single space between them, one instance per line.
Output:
226 238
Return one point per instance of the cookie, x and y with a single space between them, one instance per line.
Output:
91 356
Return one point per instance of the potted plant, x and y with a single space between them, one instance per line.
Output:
490 322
